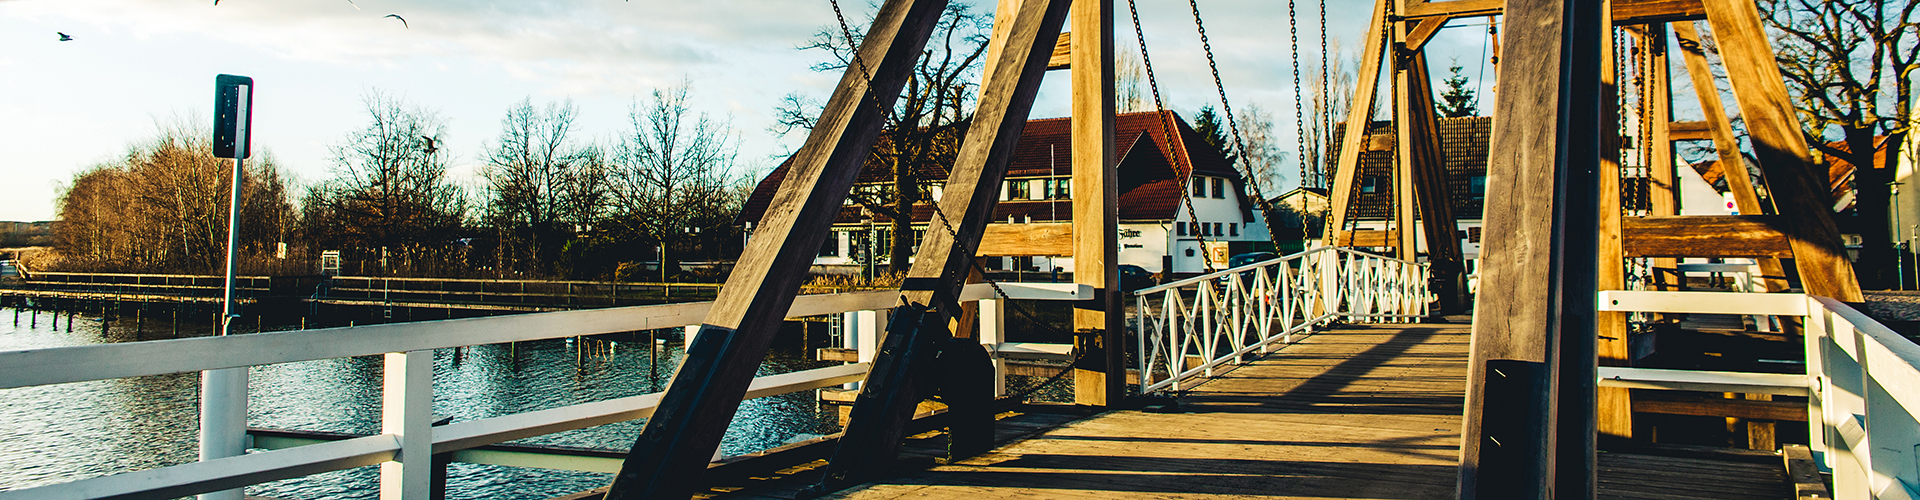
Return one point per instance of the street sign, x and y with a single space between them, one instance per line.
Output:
232 116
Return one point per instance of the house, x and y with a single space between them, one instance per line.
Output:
1157 229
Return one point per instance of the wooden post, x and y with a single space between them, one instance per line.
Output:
1614 413
1100 377
1421 152
1359 119
929 297
1529 425
1798 192
1745 197
1406 243
680 437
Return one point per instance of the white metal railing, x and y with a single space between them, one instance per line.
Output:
1862 383
1187 328
406 429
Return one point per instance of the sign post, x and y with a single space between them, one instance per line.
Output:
223 392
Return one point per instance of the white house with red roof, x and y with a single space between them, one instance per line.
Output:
1157 228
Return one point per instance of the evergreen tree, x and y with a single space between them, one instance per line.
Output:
1214 132
1460 100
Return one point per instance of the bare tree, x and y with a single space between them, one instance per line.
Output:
1129 80
543 186
163 206
1849 65
671 173
390 187
1332 96
929 118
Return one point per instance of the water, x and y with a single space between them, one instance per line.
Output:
59 433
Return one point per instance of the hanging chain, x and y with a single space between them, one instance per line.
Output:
1299 119
1245 168
1167 130
1325 137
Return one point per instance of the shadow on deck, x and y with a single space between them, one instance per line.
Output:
1361 412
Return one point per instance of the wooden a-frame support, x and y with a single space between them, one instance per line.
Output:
1533 412
679 439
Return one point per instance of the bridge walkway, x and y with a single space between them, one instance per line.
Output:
1358 412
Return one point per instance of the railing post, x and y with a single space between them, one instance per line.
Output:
861 332
406 412
993 332
223 418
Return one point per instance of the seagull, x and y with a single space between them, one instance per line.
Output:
431 149
403 21
63 37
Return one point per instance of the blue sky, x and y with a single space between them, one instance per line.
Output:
136 64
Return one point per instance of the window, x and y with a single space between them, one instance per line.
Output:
1019 189
1370 185
1477 186
1219 187
1058 189
1216 229
1233 229
1199 186
1180 229
832 247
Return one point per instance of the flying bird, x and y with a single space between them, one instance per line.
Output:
349 2
63 37
403 21
431 148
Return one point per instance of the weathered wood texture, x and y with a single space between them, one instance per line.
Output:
1016 240
1663 195
739 328
1613 412
1706 236
1797 185
1096 198
1347 170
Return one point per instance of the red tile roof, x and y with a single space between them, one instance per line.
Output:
1149 184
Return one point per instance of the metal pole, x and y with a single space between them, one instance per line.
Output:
223 393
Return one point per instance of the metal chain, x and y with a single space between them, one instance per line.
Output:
1299 116
1326 123
1167 129
1226 107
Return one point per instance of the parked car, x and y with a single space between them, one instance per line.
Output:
1134 277
1249 258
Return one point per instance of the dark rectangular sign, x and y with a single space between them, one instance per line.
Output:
232 116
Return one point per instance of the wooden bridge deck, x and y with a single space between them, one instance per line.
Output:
1367 412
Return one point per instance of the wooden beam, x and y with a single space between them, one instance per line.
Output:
1528 430
930 294
1745 197
1100 379
1027 240
680 437
1418 36
1405 211
1705 236
1367 238
1359 117
1797 185
1722 407
1689 131
1613 415
1062 53
1433 196
1379 142
1625 13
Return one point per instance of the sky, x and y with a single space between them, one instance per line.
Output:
134 66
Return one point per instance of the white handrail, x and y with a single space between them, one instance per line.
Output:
1862 381
1221 317
33 367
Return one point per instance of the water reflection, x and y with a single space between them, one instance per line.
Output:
59 433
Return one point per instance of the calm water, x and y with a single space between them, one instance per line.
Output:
59 433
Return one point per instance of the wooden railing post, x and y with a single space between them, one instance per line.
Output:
993 332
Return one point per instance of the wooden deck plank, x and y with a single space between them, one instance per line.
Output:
1358 412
